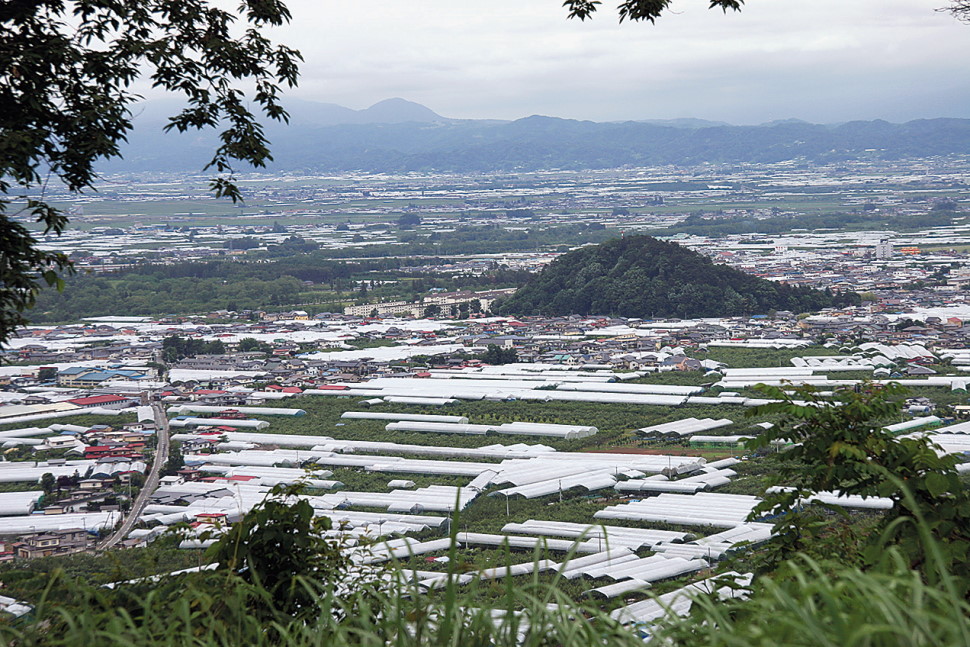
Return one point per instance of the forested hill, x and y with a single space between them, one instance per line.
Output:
640 276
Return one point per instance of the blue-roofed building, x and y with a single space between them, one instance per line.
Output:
87 377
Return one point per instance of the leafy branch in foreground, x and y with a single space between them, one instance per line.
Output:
66 71
839 444
638 10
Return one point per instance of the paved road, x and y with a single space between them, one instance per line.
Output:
151 481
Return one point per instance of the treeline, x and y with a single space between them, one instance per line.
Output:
640 276
304 267
205 287
267 281
145 295
335 273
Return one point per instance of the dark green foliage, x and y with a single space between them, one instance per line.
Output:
409 221
23 267
278 546
86 421
143 295
496 355
486 240
293 245
242 243
175 348
175 460
206 286
840 445
251 344
48 482
66 69
640 276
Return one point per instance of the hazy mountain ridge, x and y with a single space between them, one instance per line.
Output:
397 135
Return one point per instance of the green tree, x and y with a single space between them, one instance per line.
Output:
496 355
409 221
48 482
174 348
251 344
66 72
175 460
215 347
280 545
839 443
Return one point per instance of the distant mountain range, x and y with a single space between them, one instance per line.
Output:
397 135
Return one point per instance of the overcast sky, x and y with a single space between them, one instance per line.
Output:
819 60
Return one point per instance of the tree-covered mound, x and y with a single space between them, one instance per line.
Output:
640 276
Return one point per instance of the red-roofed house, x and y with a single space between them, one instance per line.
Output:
101 451
102 401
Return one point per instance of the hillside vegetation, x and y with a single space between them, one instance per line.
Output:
640 276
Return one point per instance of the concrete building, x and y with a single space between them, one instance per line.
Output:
884 250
